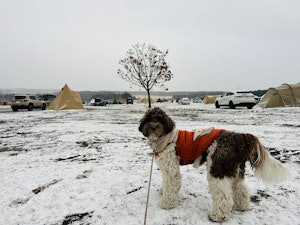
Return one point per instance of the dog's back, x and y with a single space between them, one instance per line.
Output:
234 149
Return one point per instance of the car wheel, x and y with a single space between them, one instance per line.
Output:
44 107
231 105
217 105
30 107
15 109
250 106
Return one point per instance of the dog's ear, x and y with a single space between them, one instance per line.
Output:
146 118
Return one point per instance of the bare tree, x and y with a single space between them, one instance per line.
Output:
145 66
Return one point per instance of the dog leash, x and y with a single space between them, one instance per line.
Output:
149 184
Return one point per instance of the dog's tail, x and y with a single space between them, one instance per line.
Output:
269 169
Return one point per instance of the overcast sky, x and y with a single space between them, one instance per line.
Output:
213 44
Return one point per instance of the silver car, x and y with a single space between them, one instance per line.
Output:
184 101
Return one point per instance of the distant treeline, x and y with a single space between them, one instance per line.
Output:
85 95
112 95
202 94
259 93
106 95
6 97
198 94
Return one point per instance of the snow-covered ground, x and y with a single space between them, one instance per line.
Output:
92 166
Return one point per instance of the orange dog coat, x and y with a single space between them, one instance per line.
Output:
188 149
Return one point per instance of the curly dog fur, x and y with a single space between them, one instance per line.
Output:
226 158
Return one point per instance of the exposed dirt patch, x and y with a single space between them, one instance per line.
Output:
34 192
78 218
256 198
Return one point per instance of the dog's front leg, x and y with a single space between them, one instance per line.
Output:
170 190
169 166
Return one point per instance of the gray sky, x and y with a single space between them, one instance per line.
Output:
213 44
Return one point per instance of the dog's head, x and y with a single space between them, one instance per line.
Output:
156 123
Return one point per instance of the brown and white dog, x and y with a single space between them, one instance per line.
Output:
226 153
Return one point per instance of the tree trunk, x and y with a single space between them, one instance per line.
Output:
149 98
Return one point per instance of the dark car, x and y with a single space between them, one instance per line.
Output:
129 101
99 102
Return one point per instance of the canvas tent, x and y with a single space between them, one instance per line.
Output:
66 99
145 100
210 99
281 96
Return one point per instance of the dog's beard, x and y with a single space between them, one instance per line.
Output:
152 137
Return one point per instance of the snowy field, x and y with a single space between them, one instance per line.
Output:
92 167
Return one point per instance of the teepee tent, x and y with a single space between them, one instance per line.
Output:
66 99
281 96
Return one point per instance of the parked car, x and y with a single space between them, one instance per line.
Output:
129 101
48 98
184 101
99 102
27 102
197 100
236 98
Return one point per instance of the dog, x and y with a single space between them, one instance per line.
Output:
225 154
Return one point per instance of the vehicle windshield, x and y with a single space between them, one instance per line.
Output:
33 97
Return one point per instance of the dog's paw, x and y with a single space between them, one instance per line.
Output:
218 217
167 203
